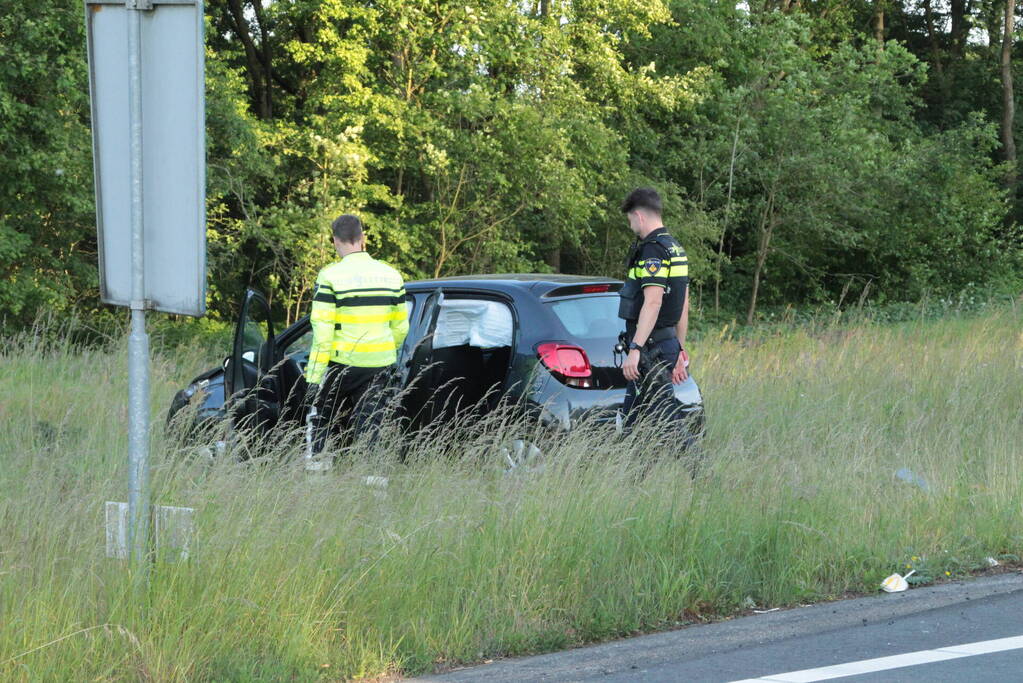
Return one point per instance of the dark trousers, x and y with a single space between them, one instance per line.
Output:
351 403
653 393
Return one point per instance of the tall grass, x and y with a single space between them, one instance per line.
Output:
307 577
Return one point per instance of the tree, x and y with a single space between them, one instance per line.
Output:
47 234
802 148
1008 99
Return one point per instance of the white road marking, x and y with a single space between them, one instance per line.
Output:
867 666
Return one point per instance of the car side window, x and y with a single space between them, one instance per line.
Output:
299 348
255 332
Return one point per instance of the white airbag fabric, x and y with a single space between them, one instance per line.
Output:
485 324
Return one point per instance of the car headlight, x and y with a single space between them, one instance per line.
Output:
194 387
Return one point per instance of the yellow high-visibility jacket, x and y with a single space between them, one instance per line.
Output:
358 316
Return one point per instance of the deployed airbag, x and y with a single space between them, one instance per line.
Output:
476 322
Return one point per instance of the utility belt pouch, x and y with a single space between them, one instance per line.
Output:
661 334
653 367
649 355
630 300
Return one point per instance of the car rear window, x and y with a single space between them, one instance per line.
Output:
590 317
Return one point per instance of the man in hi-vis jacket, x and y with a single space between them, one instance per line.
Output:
359 320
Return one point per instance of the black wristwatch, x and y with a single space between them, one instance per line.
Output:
633 346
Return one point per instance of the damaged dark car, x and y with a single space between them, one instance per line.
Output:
542 343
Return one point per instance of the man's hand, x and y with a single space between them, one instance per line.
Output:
630 368
679 373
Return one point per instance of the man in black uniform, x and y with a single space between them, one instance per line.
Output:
655 307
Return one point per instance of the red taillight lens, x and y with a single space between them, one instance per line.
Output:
595 289
568 361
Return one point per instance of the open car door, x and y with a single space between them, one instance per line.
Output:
414 360
254 390
418 346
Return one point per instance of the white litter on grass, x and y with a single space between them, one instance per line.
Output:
765 611
910 477
992 562
377 485
896 583
318 466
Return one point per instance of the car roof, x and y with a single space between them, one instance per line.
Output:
538 283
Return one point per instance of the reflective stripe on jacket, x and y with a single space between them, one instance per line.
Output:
656 261
359 317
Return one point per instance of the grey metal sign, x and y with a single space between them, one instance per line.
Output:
173 163
148 133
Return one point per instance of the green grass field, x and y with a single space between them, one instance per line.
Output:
303 578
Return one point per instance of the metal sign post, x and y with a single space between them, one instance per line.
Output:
147 88
138 339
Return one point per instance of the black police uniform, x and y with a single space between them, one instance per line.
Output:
657 260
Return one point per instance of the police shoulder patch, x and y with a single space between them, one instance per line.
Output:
652 265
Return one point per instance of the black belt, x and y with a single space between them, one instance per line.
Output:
658 335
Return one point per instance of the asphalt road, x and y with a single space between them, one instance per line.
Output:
974 628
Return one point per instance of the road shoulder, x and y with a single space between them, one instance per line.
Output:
631 654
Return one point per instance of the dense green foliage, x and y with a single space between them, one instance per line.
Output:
807 152
47 238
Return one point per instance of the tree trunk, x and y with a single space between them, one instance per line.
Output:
1008 103
766 230
253 60
879 21
728 214
957 12
265 55
936 54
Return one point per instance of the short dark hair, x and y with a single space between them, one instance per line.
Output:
642 198
347 229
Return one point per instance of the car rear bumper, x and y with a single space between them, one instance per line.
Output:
566 408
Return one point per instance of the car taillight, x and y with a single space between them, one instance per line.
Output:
595 289
568 363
